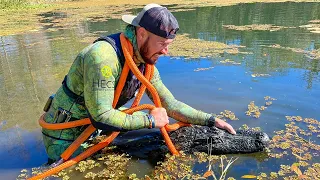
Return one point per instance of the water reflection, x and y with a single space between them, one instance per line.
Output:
208 25
20 149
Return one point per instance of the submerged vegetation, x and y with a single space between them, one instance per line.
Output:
256 27
313 26
195 48
311 54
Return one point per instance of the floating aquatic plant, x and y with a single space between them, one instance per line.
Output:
203 69
293 142
180 167
226 114
86 165
267 98
228 61
311 54
259 75
195 48
254 110
313 27
174 167
256 27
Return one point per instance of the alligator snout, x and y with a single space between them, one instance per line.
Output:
263 137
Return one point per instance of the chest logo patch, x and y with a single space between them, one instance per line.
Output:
106 71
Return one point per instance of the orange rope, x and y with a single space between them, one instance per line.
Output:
77 159
75 145
91 150
64 125
128 54
145 80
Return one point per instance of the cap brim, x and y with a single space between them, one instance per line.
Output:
130 19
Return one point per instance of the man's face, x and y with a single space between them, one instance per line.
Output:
153 47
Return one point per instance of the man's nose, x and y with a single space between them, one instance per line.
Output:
165 50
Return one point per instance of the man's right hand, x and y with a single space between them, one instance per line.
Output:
160 117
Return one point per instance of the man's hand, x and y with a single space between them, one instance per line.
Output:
160 117
223 125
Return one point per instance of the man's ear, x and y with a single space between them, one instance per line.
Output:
141 34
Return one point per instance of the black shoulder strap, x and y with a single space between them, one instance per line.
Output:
114 40
77 98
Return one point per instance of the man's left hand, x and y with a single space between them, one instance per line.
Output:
224 125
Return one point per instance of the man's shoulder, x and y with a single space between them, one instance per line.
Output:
156 71
100 51
102 47
156 75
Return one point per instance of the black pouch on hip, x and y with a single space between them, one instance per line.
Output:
48 103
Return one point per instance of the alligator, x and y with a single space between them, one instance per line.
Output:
189 139
195 138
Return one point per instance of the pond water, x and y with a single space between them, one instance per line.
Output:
34 64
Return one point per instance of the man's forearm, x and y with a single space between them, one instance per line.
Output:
116 120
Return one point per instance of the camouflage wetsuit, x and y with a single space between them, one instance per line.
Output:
94 75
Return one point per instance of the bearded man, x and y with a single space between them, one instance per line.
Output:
88 88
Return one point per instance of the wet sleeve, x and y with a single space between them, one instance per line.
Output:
177 109
101 70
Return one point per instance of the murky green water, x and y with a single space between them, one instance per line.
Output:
34 64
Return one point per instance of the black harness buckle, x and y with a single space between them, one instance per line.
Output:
62 115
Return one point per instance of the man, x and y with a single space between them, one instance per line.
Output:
88 89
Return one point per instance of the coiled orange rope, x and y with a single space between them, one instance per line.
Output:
129 65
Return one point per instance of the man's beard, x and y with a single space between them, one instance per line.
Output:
144 51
